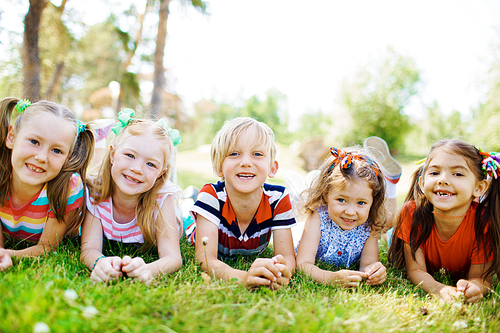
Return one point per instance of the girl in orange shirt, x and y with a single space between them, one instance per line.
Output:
451 221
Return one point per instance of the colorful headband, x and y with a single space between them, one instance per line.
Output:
22 105
490 163
345 159
124 117
172 132
81 126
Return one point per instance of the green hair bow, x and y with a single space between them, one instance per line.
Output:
124 117
172 132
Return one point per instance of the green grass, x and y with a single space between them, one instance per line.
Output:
33 291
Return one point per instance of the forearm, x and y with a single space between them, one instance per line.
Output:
316 273
32 251
425 281
89 255
165 265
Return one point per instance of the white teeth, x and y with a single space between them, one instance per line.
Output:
245 176
34 168
136 181
441 194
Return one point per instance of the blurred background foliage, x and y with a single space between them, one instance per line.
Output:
77 69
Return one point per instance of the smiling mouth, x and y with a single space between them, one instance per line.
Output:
348 220
34 168
444 194
131 179
245 176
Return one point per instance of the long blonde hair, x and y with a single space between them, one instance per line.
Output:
101 184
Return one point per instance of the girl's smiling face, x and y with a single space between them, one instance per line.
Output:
449 183
39 149
136 164
350 206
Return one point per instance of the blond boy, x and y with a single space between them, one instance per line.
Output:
239 213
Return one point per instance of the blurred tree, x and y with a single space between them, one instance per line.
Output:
487 115
376 99
271 112
30 52
312 124
159 71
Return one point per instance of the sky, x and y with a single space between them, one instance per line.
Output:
305 49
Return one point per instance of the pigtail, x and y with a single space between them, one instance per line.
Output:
488 216
78 162
421 226
6 107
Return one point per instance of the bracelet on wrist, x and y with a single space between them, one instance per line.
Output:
95 262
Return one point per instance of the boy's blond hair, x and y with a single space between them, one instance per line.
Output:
226 139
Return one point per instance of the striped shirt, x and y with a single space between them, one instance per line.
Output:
128 232
274 212
27 222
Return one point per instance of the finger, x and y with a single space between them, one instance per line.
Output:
116 263
267 265
263 272
462 285
253 281
279 259
126 260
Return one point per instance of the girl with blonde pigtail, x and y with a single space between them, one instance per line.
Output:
451 222
44 155
130 200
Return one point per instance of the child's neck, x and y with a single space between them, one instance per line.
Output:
447 225
20 194
124 209
245 208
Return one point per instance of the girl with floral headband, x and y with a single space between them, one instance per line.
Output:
345 218
43 158
450 222
130 200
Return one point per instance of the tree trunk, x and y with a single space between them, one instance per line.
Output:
159 73
55 83
30 53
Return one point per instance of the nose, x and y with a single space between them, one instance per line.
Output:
136 167
443 180
350 210
246 160
41 156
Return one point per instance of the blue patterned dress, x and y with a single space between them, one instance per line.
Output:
337 246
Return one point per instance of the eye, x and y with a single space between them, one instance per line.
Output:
34 142
130 155
233 154
361 203
151 165
57 151
341 200
459 174
433 173
258 154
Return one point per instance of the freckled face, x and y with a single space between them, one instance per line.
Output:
136 164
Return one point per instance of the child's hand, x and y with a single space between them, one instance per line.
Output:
348 278
286 274
137 269
5 260
263 272
376 273
107 269
470 290
449 294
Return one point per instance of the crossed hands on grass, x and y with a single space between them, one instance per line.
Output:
113 268
272 272
469 290
374 274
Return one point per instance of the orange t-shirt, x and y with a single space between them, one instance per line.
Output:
456 254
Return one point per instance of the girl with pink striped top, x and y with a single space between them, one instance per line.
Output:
130 200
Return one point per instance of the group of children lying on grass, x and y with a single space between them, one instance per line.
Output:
450 218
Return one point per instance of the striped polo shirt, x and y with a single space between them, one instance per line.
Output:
274 212
128 232
27 222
